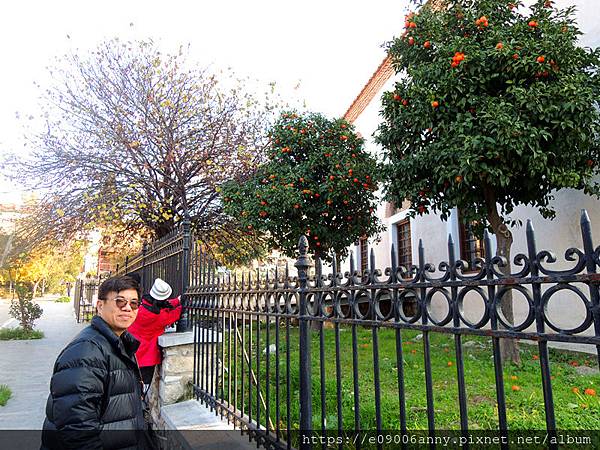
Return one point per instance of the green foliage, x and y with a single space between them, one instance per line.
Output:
496 103
19 334
5 394
23 308
318 181
64 299
574 408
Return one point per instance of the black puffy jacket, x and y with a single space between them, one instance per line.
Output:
95 393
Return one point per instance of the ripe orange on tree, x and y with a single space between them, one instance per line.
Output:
482 22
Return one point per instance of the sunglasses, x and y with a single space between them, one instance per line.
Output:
122 302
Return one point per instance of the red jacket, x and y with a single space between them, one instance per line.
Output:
148 326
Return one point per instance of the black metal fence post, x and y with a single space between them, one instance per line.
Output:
184 324
590 264
302 264
144 283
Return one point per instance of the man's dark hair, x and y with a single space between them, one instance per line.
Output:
118 284
136 276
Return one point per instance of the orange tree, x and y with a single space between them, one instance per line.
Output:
496 106
317 180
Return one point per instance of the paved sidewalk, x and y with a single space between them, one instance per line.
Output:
26 366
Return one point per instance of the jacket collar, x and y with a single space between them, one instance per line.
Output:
126 344
150 304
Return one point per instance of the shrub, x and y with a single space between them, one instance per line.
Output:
5 394
23 308
63 299
18 334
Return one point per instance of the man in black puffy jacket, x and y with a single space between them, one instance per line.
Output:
95 393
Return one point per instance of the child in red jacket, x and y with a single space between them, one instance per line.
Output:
155 314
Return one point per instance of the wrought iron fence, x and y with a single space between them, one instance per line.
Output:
166 258
279 354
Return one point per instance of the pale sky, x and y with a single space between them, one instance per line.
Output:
329 47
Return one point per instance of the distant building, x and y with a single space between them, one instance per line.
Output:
90 259
9 213
105 260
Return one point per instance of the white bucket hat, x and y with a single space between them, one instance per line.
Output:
160 290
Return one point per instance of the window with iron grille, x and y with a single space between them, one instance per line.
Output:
471 246
404 243
364 252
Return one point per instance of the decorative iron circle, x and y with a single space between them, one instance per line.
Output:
402 295
312 304
236 300
342 309
292 307
326 308
258 302
280 302
428 299
531 313
460 307
378 300
356 304
226 299
270 302
588 313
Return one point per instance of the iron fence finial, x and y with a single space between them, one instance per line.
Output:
303 262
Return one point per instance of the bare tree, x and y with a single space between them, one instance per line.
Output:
136 140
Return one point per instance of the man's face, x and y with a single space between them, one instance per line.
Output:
119 318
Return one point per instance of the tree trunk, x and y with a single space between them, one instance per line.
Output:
35 287
509 348
12 284
7 249
43 287
315 324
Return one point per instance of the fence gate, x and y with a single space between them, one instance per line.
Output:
86 292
